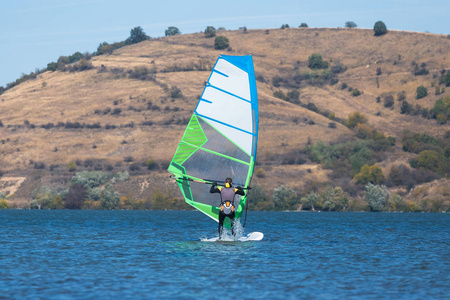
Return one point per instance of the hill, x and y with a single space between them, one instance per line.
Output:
131 106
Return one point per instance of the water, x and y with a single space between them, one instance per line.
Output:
158 254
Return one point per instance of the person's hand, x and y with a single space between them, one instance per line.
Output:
214 184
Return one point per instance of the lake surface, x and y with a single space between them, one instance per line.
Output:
158 254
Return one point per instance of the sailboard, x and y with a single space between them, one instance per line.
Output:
221 137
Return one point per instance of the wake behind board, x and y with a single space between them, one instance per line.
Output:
253 236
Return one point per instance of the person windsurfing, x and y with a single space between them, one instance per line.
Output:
227 208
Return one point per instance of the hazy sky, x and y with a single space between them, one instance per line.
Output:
36 32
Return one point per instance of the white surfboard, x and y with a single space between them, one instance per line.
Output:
253 236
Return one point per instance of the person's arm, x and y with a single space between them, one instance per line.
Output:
214 188
239 191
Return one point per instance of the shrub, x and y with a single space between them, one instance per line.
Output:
376 196
372 174
257 199
276 81
284 197
422 70
405 108
447 79
221 42
401 96
109 198
310 201
429 160
356 118
279 95
315 62
356 93
210 31
421 92
284 26
293 96
333 199
72 166
260 173
3 204
151 164
388 101
90 179
175 92
379 28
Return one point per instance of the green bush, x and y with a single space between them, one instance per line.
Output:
221 42
379 28
388 101
310 201
315 62
405 108
356 93
356 118
429 160
3 204
421 92
447 79
284 197
137 35
370 174
333 199
257 199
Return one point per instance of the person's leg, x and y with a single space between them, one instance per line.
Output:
232 224
221 219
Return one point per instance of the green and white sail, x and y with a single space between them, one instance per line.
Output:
221 138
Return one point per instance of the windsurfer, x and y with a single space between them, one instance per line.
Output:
227 208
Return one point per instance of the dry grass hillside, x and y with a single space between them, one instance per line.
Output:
144 118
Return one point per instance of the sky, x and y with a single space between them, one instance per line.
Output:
34 33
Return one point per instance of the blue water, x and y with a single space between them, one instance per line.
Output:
158 254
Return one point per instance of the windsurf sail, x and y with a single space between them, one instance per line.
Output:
221 138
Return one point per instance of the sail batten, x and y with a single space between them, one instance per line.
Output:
220 139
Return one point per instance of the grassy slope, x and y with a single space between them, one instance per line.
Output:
74 97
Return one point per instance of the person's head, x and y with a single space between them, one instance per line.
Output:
228 182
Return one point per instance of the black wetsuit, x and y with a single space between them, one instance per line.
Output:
230 194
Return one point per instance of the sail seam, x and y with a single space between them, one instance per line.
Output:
220 122
220 154
226 92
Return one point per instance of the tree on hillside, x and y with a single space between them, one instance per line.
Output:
350 24
210 31
172 31
76 196
221 42
315 62
284 26
303 25
137 35
376 196
379 28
